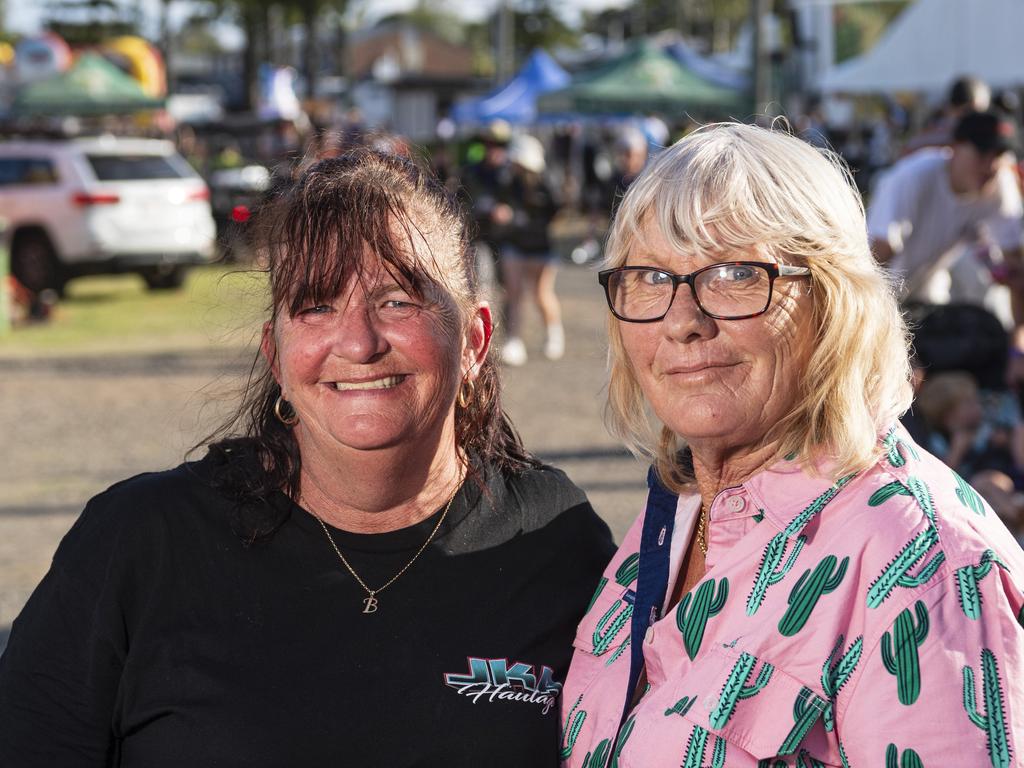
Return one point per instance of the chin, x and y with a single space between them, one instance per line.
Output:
371 434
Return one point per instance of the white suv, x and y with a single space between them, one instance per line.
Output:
100 206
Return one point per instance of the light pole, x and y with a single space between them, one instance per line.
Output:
760 72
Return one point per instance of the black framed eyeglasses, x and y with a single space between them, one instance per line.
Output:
731 290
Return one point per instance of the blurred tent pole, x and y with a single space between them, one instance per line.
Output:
760 82
5 288
506 43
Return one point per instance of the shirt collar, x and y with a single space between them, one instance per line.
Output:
791 494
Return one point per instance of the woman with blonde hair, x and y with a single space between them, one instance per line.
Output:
806 587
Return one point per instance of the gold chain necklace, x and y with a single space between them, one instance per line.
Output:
702 530
370 602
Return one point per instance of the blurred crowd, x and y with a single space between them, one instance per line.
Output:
944 216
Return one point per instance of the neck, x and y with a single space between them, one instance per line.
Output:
382 490
958 186
716 469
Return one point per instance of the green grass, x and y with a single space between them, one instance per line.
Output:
218 308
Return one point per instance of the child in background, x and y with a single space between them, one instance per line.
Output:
980 435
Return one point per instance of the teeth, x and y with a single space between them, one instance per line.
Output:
386 383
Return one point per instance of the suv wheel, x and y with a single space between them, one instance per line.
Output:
165 278
34 262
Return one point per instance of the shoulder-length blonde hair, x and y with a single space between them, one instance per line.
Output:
733 188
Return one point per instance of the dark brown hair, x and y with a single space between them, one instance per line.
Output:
311 237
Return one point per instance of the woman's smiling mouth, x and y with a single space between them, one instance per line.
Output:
385 382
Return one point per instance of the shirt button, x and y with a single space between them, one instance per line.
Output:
736 504
649 635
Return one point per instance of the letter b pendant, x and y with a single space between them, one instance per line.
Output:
371 604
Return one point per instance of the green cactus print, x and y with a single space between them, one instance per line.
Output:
910 758
692 620
842 755
599 757
624 734
681 707
799 522
914 488
993 722
807 708
808 590
967 579
618 652
805 760
608 627
769 572
571 728
968 496
597 592
1020 616
899 652
894 447
759 516
629 570
895 574
697 745
836 672
735 688
886 492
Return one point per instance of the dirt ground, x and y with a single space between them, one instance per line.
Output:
71 426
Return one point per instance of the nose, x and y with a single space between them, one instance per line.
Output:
357 336
685 321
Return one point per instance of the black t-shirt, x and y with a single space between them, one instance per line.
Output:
160 638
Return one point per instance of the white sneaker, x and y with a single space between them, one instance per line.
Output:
554 346
514 352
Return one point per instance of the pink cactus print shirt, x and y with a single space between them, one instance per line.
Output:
868 623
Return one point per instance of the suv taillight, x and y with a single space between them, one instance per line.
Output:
199 194
95 198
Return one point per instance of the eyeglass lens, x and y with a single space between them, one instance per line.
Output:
725 290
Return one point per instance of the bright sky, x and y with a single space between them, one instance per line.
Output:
24 15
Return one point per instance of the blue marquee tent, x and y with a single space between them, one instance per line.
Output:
708 68
516 100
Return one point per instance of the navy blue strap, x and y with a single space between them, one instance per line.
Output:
652 581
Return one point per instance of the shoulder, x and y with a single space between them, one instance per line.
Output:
147 506
917 168
190 483
923 533
542 494
544 501
918 489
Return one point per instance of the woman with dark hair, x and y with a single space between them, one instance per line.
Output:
366 568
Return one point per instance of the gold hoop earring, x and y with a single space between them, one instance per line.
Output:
279 410
466 392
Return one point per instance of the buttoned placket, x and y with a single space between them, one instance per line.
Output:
728 521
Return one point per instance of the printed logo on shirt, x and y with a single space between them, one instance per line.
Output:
493 680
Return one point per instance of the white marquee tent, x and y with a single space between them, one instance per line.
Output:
933 42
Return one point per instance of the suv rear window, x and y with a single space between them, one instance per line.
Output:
26 170
134 167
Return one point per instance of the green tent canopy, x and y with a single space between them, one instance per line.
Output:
93 86
644 79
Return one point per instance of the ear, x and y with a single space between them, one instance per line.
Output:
478 340
268 348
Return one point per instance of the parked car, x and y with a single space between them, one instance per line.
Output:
102 205
235 193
